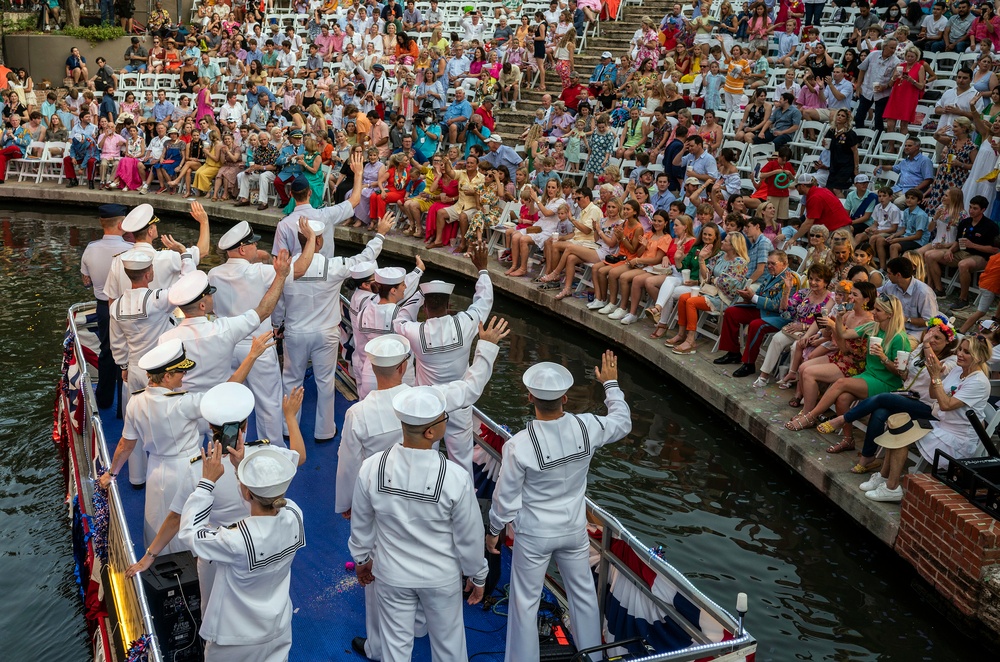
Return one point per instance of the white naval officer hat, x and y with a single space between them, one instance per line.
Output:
363 270
420 405
547 381
136 260
238 235
437 287
168 357
139 218
189 288
388 350
228 402
390 275
267 473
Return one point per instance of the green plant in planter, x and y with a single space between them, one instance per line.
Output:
94 33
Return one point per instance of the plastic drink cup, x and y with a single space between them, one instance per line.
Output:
962 243
685 275
902 358
874 341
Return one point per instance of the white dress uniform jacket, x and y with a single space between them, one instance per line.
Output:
97 260
164 424
286 235
311 313
378 319
240 286
441 351
416 515
541 489
210 344
249 613
168 266
360 300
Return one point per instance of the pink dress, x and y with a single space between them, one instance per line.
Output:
203 104
128 167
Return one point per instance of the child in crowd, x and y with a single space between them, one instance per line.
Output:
913 233
885 221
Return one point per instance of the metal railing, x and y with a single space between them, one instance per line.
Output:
127 596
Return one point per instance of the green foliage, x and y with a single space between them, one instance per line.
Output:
94 33
23 24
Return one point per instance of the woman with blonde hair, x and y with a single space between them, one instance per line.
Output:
205 175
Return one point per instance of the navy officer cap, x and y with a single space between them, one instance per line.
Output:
112 211
300 184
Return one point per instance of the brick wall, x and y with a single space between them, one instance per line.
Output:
949 541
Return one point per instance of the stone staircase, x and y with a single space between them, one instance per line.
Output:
614 36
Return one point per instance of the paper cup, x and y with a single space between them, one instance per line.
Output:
696 291
962 243
874 341
902 358
685 275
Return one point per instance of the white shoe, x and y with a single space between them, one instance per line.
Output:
143 190
760 382
883 493
872 483
596 304
617 314
608 309
630 319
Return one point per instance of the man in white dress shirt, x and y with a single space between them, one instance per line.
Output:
541 489
441 346
310 316
168 265
413 525
371 427
240 284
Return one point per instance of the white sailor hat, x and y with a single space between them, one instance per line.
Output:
228 402
419 405
136 260
267 473
139 218
437 287
547 381
238 235
390 275
363 270
316 226
388 350
168 357
189 288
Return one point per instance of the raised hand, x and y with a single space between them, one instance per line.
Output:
479 255
292 402
198 212
609 367
283 264
170 244
211 462
495 331
386 223
304 228
261 343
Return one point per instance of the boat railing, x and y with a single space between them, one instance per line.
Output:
131 615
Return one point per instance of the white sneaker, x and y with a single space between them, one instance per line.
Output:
872 483
883 493
608 309
630 319
596 304
617 314
760 382
143 189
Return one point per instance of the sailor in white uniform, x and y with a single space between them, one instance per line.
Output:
370 427
248 617
310 315
168 265
286 234
240 284
211 342
441 346
413 526
363 276
398 299
138 318
541 489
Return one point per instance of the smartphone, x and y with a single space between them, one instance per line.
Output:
848 306
229 437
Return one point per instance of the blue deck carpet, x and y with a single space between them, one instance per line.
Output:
328 601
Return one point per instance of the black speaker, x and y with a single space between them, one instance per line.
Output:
172 591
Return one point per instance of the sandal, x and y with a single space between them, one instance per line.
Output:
846 444
787 383
860 468
658 331
562 295
803 422
795 402
676 340
826 427
654 314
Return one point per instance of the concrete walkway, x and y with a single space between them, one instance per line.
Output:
761 413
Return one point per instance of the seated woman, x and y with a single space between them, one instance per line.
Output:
848 358
668 288
864 256
816 341
802 309
817 252
605 275
965 388
881 375
547 207
941 340
194 158
603 244
391 185
721 275
655 249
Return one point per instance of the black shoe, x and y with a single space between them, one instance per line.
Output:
727 358
138 487
960 305
72 183
323 441
90 184
358 645
745 370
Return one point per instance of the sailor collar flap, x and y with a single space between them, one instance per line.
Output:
438 335
416 476
133 307
553 448
377 416
319 269
265 537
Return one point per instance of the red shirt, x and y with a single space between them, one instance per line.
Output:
773 166
823 207
487 116
571 96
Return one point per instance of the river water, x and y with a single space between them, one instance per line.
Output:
727 513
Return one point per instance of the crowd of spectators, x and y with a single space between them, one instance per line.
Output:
814 174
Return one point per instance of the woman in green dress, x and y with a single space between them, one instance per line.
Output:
312 170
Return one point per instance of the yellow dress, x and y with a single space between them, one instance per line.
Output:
205 175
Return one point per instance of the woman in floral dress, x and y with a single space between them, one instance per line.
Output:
489 210
957 158
602 145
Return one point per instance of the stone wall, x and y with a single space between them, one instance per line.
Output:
44 56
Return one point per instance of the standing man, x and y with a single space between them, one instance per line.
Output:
95 267
441 345
874 83
541 489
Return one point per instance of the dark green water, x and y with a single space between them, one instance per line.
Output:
727 513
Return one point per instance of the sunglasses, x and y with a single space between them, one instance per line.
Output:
818 236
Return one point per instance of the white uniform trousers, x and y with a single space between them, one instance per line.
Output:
264 181
458 437
162 482
373 641
779 343
264 381
137 380
323 349
530 561
397 612
275 650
